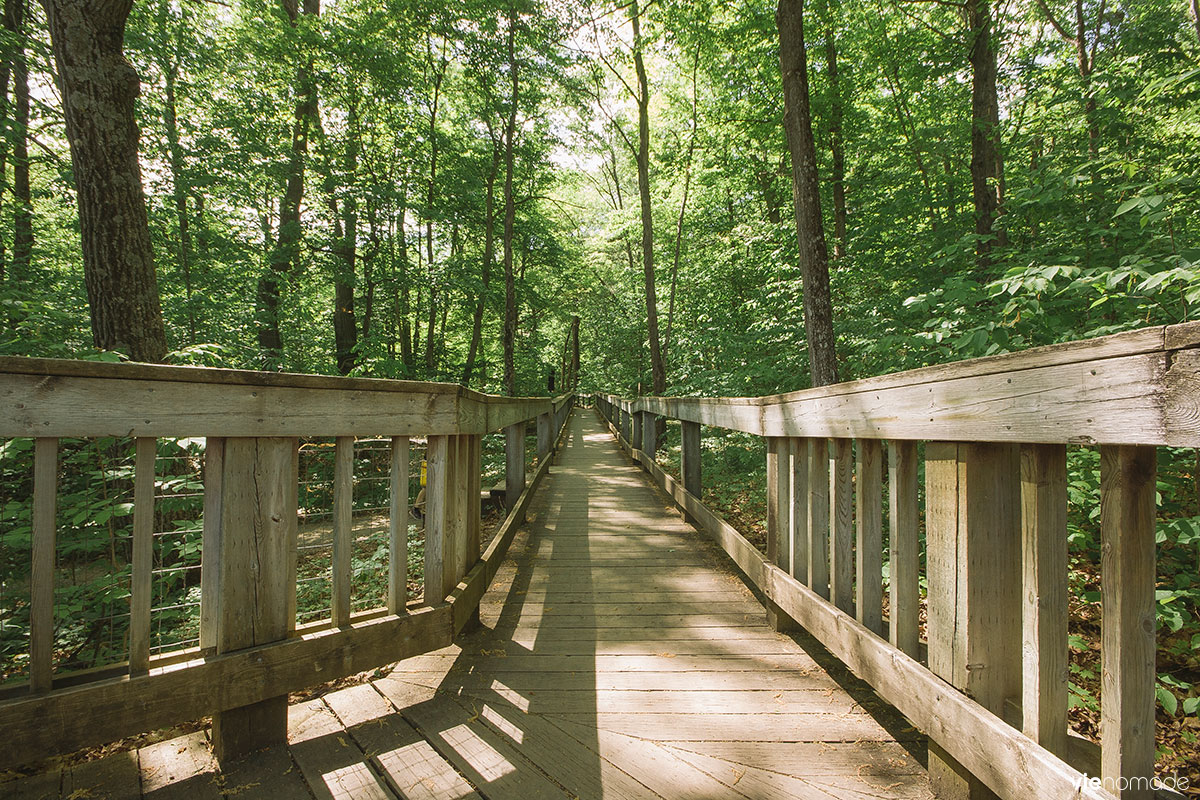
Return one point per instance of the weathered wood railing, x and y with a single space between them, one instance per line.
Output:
995 432
251 653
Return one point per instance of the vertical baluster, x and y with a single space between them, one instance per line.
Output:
818 516
545 437
143 556
841 514
343 528
474 467
635 443
398 527
1127 574
459 511
1044 595
869 549
689 456
210 547
41 595
904 555
514 464
437 565
779 516
800 500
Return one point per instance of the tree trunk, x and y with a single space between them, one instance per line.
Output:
985 133
284 259
687 184
489 254
836 144
810 232
22 253
99 89
179 191
430 195
1195 4
658 372
345 326
510 213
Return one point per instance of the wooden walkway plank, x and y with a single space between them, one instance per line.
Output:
411 766
114 776
180 769
332 764
267 775
491 763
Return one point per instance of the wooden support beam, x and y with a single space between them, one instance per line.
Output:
841 515
689 456
635 441
258 543
972 501
143 555
398 526
818 516
869 546
649 443
1044 595
343 528
1127 512
904 548
41 577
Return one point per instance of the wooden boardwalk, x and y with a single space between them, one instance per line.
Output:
619 656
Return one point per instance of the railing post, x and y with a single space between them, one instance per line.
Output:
439 553
649 442
545 435
841 516
974 616
1044 595
689 457
1127 512
635 441
398 527
514 464
257 531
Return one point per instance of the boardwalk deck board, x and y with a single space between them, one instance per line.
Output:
620 656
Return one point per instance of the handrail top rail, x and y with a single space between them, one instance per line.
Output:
62 397
136 370
1134 387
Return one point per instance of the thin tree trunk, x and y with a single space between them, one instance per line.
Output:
1195 5
489 254
658 372
284 259
836 115
179 192
22 254
345 326
99 89
687 184
510 211
810 233
430 195
5 120
985 133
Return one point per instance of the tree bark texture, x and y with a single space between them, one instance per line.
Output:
99 88
284 259
22 254
489 254
810 232
510 214
658 372
836 142
985 132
